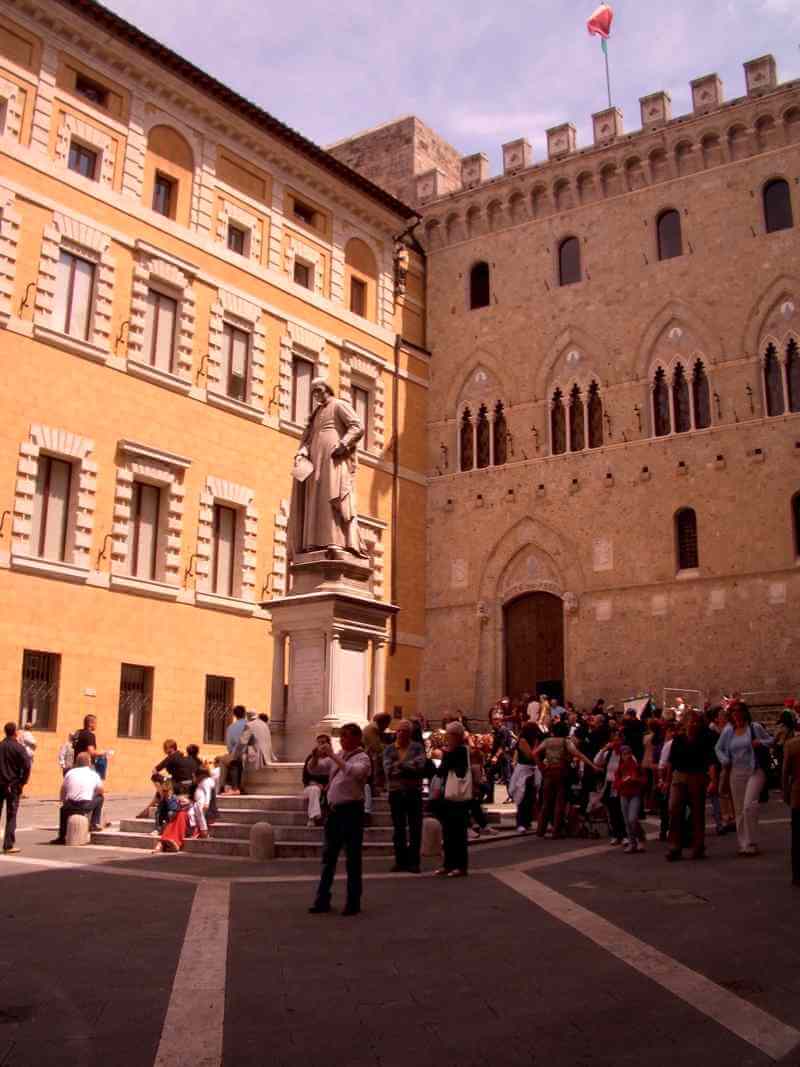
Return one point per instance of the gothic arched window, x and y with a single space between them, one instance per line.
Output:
777 206
686 539
661 420
569 261
467 444
670 243
793 375
773 382
681 405
500 432
701 397
558 424
479 286
577 432
483 437
595 416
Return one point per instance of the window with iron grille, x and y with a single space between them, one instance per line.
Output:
219 708
135 701
38 702
686 538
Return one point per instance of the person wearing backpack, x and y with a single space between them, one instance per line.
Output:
66 755
555 755
743 752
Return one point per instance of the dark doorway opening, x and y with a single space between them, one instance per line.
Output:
534 645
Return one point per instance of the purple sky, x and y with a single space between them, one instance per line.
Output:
508 70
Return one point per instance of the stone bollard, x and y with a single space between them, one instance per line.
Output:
431 837
78 830
262 842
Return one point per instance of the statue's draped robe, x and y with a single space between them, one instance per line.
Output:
323 509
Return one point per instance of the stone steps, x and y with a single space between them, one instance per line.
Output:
219 846
294 817
233 831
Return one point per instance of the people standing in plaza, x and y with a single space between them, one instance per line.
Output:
498 766
787 728
629 784
456 777
232 766
691 760
85 739
81 794
15 769
555 754
522 786
316 772
374 744
607 761
344 828
790 781
743 752
404 767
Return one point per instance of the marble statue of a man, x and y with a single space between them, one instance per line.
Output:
323 512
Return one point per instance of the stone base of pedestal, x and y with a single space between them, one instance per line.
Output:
334 633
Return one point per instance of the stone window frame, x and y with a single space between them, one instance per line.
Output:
165 471
300 341
76 450
368 369
74 129
584 381
474 405
10 229
668 366
241 497
246 316
280 555
372 531
296 248
151 271
781 348
10 94
68 234
231 212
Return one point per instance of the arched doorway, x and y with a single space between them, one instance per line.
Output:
534 645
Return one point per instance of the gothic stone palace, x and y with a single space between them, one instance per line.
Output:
580 384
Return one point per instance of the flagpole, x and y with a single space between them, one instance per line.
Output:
604 46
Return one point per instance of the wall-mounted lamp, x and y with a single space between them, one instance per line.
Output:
26 298
102 554
125 325
749 390
638 413
718 404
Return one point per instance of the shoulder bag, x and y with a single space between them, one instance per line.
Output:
459 789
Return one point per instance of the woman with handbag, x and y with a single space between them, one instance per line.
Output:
743 752
455 776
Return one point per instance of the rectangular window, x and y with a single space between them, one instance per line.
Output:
361 405
92 91
135 701
302 376
358 297
303 274
38 702
51 508
72 304
164 195
219 708
159 329
237 239
223 550
82 160
236 347
305 213
145 510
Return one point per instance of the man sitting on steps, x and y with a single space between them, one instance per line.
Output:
81 794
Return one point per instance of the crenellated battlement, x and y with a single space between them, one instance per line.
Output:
664 147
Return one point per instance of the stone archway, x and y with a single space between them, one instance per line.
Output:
533 639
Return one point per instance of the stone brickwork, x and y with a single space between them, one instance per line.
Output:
596 527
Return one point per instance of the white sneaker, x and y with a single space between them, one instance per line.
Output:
616 840
628 847
521 830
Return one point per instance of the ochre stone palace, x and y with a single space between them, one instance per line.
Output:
580 382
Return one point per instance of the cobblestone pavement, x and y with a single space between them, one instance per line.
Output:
552 951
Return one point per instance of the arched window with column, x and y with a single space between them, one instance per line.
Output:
500 435
479 286
558 424
670 241
681 405
777 206
661 419
595 416
773 382
701 397
483 439
793 375
686 545
466 442
569 261
577 428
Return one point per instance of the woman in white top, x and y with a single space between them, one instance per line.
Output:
743 752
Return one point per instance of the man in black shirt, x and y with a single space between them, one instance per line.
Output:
180 768
498 766
692 761
15 769
84 740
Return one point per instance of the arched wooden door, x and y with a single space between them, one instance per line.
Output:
534 645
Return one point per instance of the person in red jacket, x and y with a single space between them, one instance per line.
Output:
629 783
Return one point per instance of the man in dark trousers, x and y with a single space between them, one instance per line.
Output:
15 769
344 828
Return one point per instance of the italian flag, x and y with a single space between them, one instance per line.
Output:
599 24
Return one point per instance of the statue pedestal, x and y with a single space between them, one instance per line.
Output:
329 661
